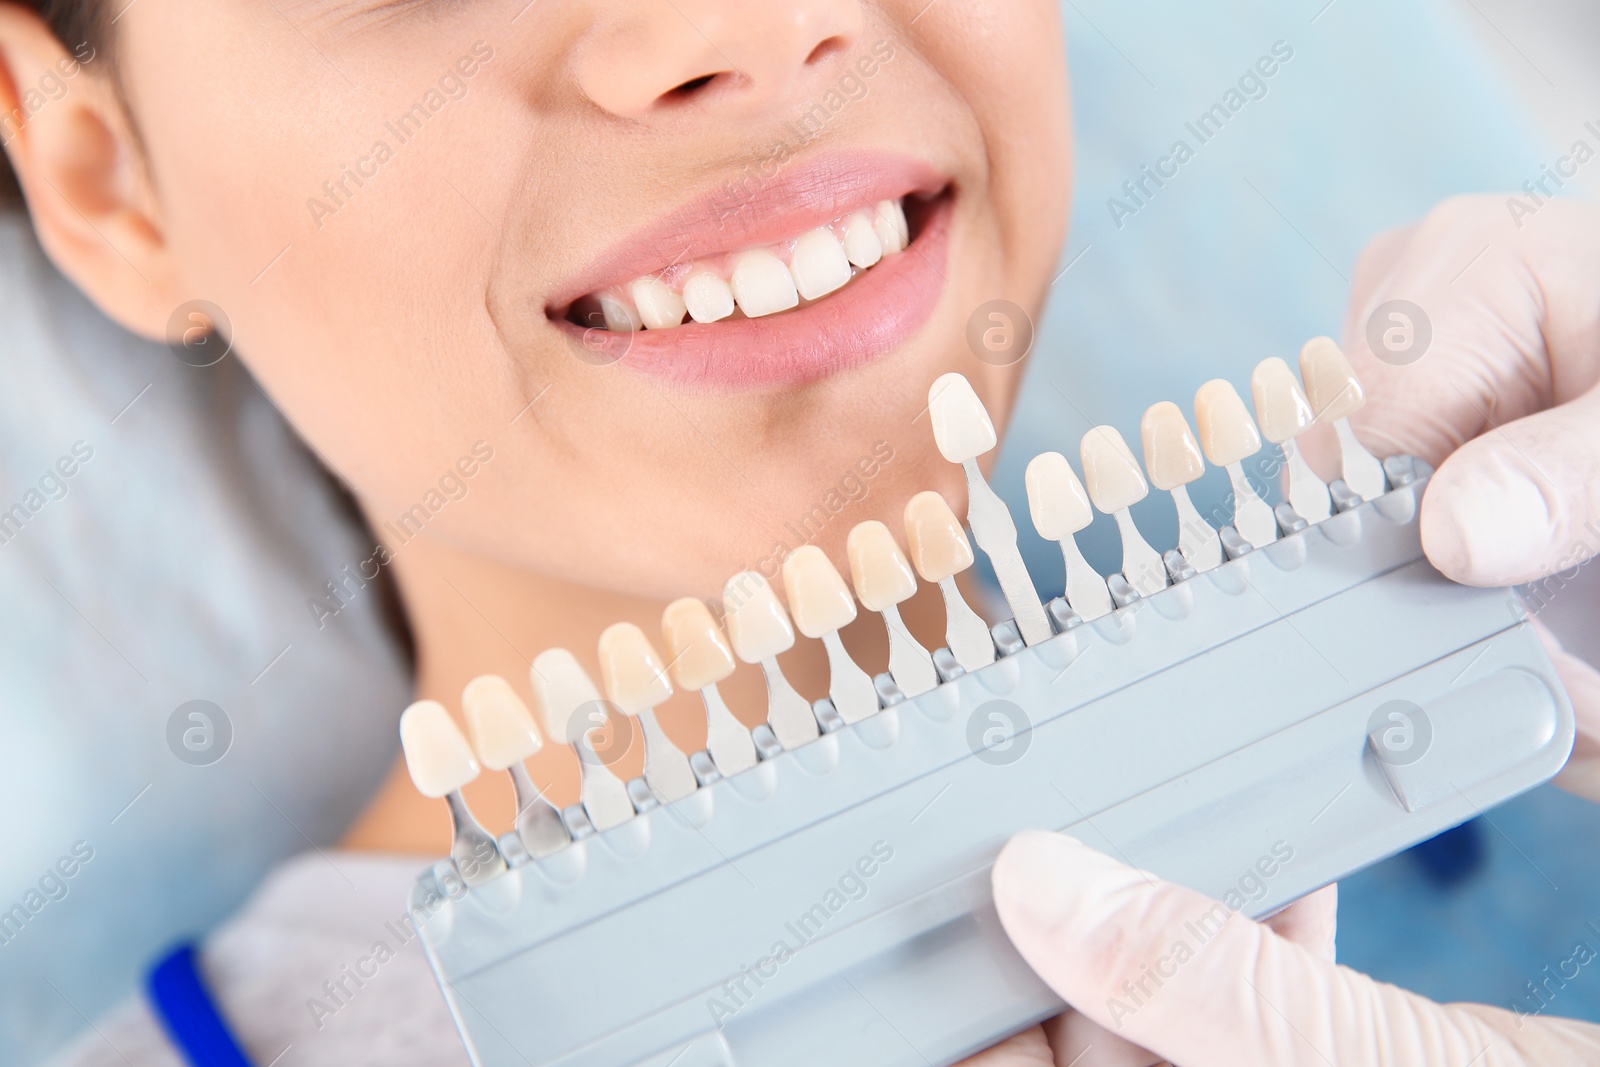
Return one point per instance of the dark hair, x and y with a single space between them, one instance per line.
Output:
75 23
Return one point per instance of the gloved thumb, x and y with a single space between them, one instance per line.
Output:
1521 501
1181 975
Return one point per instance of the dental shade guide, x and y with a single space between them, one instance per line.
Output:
636 682
1284 413
822 605
1115 483
883 580
1172 457
940 551
729 928
504 735
1228 438
573 711
1335 394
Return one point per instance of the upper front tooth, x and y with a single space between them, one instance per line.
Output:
762 284
619 314
861 244
1110 472
889 222
707 297
818 263
1226 432
659 307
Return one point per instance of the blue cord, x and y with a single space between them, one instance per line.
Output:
188 1014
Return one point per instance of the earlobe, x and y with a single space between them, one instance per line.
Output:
77 161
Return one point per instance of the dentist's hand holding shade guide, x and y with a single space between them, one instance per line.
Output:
1198 709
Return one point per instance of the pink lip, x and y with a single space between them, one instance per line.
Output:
867 318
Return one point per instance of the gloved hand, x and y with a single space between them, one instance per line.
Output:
1121 947
1503 399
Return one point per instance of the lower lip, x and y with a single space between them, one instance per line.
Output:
871 316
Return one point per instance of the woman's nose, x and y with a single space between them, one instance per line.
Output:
739 57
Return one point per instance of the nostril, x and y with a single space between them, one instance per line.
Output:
824 49
688 88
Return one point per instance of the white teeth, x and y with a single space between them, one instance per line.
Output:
762 284
1110 472
437 755
889 222
659 307
758 627
619 316
707 297
818 263
961 425
861 244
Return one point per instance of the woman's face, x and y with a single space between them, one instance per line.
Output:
410 211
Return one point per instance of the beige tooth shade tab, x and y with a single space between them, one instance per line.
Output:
961 425
1060 508
499 723
1172 458
1116 483
698 655
883 579
759 629
437 755
699 658
571 707
940 551
821 604
1284 414
633 674
1335 394
1229 437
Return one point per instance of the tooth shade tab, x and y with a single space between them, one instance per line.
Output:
634 677
878 569
707 297
761 284
939 546
1331 384
697 653
1171 454
1226 432
1110 473
1282 410
889 223
659 307
818 263
1056 500
961 425
499 723
561 687
861 245
758 627
437 755
818 598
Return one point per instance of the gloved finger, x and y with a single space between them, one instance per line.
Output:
1310 922
1581 775
1027 1049
1174 972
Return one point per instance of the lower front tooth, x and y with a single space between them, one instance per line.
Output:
762 284
889 222
619 316
818 264
659 307
707 297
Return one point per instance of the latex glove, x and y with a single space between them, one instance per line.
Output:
1107 939
1504 401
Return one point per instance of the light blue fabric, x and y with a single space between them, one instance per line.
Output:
175 567
1384 110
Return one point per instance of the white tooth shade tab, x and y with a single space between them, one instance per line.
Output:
878 569
659 307
698 654
758 627
939 546
961 425
561 688
1226 431
707 297
499 723
819 600
1282 410
1331 384
1110 472
619 315
1171 454
633 674
818 263
437 755
889 223
761 284
1056 499
861 245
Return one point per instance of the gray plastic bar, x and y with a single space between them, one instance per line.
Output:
832 905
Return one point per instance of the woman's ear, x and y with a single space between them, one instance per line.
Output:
78 161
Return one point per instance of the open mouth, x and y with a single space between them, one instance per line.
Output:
832 264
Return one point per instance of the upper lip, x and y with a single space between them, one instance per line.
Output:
749 210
